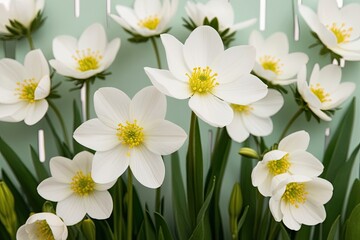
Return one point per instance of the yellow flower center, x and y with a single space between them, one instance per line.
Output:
150 23
202 80
280 166
130 134
87 59
341 32
241 108
25 90
295 194
271 63
320 93
82 185
43 230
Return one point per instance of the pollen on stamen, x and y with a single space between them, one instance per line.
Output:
246 109
341 32
295 194
280 166
87 59
271 63
320 93
150 22
43 230
82 184
202 80
131 134
25 90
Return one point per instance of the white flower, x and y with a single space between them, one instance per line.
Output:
86 57
220 9
338 29
41 226
255 118
290 157
148 18
274 63
324 92
23 11
211 77
73 187
23 88
130 133
299 200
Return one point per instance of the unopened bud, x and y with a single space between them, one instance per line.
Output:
236 201
48 207
248 152
7 211
88 229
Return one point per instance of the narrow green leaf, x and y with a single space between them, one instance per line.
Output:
118 211
199 231
23 175
340 184
194 171
77 122
352 230
63 150
334 229
163 227
3 232
149 227
338 149
103 230
40 169
284 233
243 217
181 215
303 233
161 235
354 198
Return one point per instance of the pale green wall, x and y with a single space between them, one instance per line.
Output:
128 75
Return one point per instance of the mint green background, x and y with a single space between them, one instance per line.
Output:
128 75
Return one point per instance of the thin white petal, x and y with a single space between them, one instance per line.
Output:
94 38
296 141
329 77
99 205
320 114
43 88
62 169
71 210
328 11
64 48
319 190
51 189
288 218
257 40
342 93
292 64
269 105
304 163
83 161
275 209
236 129
258 126
308 213
111 52
244 24
36 112
36 65
277 44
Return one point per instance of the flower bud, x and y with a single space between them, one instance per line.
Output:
88 229
248 152
7 212
236 201
48 207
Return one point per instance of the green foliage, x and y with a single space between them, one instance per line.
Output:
352 230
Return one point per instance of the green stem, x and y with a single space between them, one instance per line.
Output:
118 210
158 200
292 120
61 120
130 205
87 99
30 40
258 212
153 41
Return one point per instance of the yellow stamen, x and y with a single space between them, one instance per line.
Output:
131 134
320 93
280 166
26 90
342 33
87 59
246 109
43 230
271 63
295 194
150 22
202 80
82 185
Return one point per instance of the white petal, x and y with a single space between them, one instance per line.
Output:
24 12
94 38
96 135
43 88
36 65
341 94
148 105
163 137
320 114
257 40
233 63
277 44
110 52
62 169
10 109
202 46
346 54
21 233
350 13
64 48
292 64
166 83
258 126
244 24
66 71
259 174
211 109
128 15
275 209
328 11
269 105
308 213
329 78
245 90
146 8
51 189
296 141
288 218
273 155
99 205
319 190
109 165
83 161
36 112
12 70
147 167
175 56
104 186
236 129
111 106
71 210
304 163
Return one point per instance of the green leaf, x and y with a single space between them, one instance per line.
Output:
199 231
63 150
163 227
334 229
118 211
77 122
149 227
338 149
243 217
354 198
194 171
103 230
303 233
21 208
3 232
23 175
182 220
352 229
284 233
40 169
